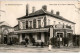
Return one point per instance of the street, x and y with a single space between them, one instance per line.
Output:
34 49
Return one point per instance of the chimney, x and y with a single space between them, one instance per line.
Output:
33 9
57 13
51 11
27 10
44 7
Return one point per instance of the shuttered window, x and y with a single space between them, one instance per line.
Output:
30 24
26 24
23 25
39 23
44 21
34 23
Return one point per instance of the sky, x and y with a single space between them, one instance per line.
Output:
15 9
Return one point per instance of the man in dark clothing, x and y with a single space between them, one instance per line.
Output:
33 41
78 42
26 40
42 44
65 41
58 42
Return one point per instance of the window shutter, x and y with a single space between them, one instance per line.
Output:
34 23
26 24
44 21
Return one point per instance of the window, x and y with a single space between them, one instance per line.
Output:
54 23
23 25
48 22
67 26
59 34
55 26
38 36
39 23
23 36
26 24
63 25
44 21
34 23
30 24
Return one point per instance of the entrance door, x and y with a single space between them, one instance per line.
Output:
30 37
46 37
5 39
60 36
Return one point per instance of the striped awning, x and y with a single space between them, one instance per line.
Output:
32 30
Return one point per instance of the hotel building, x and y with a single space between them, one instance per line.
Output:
43 25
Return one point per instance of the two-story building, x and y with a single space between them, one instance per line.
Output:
43 25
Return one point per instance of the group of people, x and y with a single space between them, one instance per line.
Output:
27 41
55 41
58 41
33 42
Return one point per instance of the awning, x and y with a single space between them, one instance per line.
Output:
32 30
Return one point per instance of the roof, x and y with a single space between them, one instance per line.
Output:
16 25
43 12
4 24
1 22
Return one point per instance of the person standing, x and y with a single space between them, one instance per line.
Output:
58 42
50 46
42 44
26 40
33 41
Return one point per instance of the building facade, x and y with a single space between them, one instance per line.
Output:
43 25
5 29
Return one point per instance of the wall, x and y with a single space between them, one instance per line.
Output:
52 19
31 19
34 36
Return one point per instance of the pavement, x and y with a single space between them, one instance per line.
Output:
34 49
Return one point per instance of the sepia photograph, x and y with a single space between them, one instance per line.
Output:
40 26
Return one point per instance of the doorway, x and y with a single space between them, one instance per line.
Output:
5 39
30 37
46 37
60 38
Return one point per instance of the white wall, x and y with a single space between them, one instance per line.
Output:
42 37
31 19
34 36
52 19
